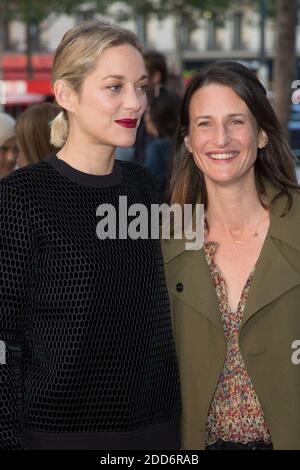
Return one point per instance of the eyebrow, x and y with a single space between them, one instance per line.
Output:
121 77
227 115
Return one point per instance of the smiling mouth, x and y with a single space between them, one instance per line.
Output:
129 123
223 155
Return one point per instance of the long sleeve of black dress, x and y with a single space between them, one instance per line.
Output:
16 256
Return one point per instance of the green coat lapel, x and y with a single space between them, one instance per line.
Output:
274 274
190 269
272 278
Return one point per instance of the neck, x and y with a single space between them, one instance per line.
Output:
234 208
89 157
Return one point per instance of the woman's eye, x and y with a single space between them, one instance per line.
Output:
142 88
237 122
114 87
203 124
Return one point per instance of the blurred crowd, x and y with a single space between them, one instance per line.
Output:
27 140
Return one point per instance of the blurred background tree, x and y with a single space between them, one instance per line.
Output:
185 13
33 13
38 15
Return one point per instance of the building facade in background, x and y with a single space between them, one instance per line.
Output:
235 35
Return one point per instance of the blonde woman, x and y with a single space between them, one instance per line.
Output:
90 361
33 133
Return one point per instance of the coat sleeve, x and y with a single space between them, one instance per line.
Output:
15 276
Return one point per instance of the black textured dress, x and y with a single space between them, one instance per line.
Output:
90 359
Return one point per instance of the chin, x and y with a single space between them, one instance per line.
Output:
126 142
222 180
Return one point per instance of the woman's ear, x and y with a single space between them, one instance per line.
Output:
64 95
187 143
262 139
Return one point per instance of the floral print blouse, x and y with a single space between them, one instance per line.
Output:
235 413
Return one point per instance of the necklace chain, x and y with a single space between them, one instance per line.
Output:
242 242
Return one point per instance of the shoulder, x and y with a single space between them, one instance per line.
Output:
279 209
24 177
292 218
286 228
296 200
19 189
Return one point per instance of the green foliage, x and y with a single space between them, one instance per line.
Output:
35 11
163 7
141 6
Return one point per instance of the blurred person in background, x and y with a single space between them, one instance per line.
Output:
160 119
157 69
176 84
8 145
33 133
156 66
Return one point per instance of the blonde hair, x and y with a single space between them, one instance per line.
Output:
33 131
76 57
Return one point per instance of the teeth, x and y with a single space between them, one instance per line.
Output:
222 156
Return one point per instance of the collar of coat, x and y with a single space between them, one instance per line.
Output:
284 228
277 269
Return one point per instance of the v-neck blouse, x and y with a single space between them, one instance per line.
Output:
235 413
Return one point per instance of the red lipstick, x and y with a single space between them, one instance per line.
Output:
130 123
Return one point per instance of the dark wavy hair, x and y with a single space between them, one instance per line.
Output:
274 163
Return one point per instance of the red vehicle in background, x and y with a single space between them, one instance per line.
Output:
17 91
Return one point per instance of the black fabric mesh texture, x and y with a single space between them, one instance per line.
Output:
90 317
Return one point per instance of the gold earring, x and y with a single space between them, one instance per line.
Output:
264 144
264 141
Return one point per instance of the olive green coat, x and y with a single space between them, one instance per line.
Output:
270 326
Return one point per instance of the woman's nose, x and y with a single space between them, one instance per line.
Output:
133 101
221 135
